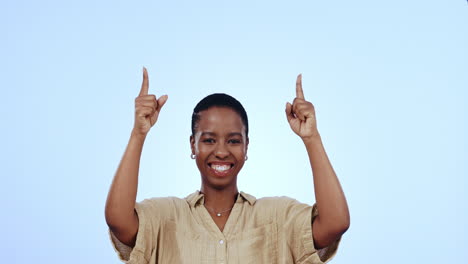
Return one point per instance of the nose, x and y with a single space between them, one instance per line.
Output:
221 151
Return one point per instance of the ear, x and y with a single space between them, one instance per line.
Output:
192 144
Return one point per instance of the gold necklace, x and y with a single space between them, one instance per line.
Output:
218 213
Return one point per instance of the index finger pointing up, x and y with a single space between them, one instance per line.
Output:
145 83
299 92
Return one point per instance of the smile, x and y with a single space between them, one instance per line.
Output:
220 169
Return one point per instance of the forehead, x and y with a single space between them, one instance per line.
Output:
220 120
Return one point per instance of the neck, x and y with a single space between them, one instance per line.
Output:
220 199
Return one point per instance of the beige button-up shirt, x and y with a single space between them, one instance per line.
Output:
267 230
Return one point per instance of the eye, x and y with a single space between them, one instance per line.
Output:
234 141
208 140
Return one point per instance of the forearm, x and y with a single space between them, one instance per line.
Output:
122 194
330 199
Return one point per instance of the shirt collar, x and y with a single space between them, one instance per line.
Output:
198 198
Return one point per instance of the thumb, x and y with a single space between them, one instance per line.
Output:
161 101
289 114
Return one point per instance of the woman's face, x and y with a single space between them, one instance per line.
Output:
220 145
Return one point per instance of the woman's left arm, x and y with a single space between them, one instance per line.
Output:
333 219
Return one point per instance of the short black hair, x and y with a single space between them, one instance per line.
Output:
219 100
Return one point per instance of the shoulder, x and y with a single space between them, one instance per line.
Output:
283 205
162 206
162 201
276 201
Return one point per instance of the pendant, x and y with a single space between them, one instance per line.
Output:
218 214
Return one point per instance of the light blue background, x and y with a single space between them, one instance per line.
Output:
388 80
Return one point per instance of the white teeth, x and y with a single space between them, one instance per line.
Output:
220 167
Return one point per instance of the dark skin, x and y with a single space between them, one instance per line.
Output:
219 138
333 219
220 141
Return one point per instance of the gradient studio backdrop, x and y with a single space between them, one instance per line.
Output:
388 79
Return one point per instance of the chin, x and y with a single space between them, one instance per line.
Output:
219 184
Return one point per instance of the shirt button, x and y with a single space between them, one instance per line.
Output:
221 242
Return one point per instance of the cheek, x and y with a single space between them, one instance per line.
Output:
240 151
202 149
200 160
200 163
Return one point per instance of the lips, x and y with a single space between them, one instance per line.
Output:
220 169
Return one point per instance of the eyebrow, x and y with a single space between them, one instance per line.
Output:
214 134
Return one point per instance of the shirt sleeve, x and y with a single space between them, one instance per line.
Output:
297 221
146 237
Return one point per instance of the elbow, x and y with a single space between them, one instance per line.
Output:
114 218
344 223
110 217
337 230
340 225
343 228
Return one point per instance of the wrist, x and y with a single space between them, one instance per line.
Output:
315 138
137 135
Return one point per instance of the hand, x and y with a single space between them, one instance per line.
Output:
301 114
147 108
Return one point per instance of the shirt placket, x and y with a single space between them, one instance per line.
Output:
221 247
229 228
221 250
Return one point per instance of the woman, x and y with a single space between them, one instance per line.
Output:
219 224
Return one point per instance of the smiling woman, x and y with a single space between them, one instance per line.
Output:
219 224
219 142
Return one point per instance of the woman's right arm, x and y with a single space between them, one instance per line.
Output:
120 205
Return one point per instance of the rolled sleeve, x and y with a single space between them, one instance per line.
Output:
145 240
298 228
324 254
